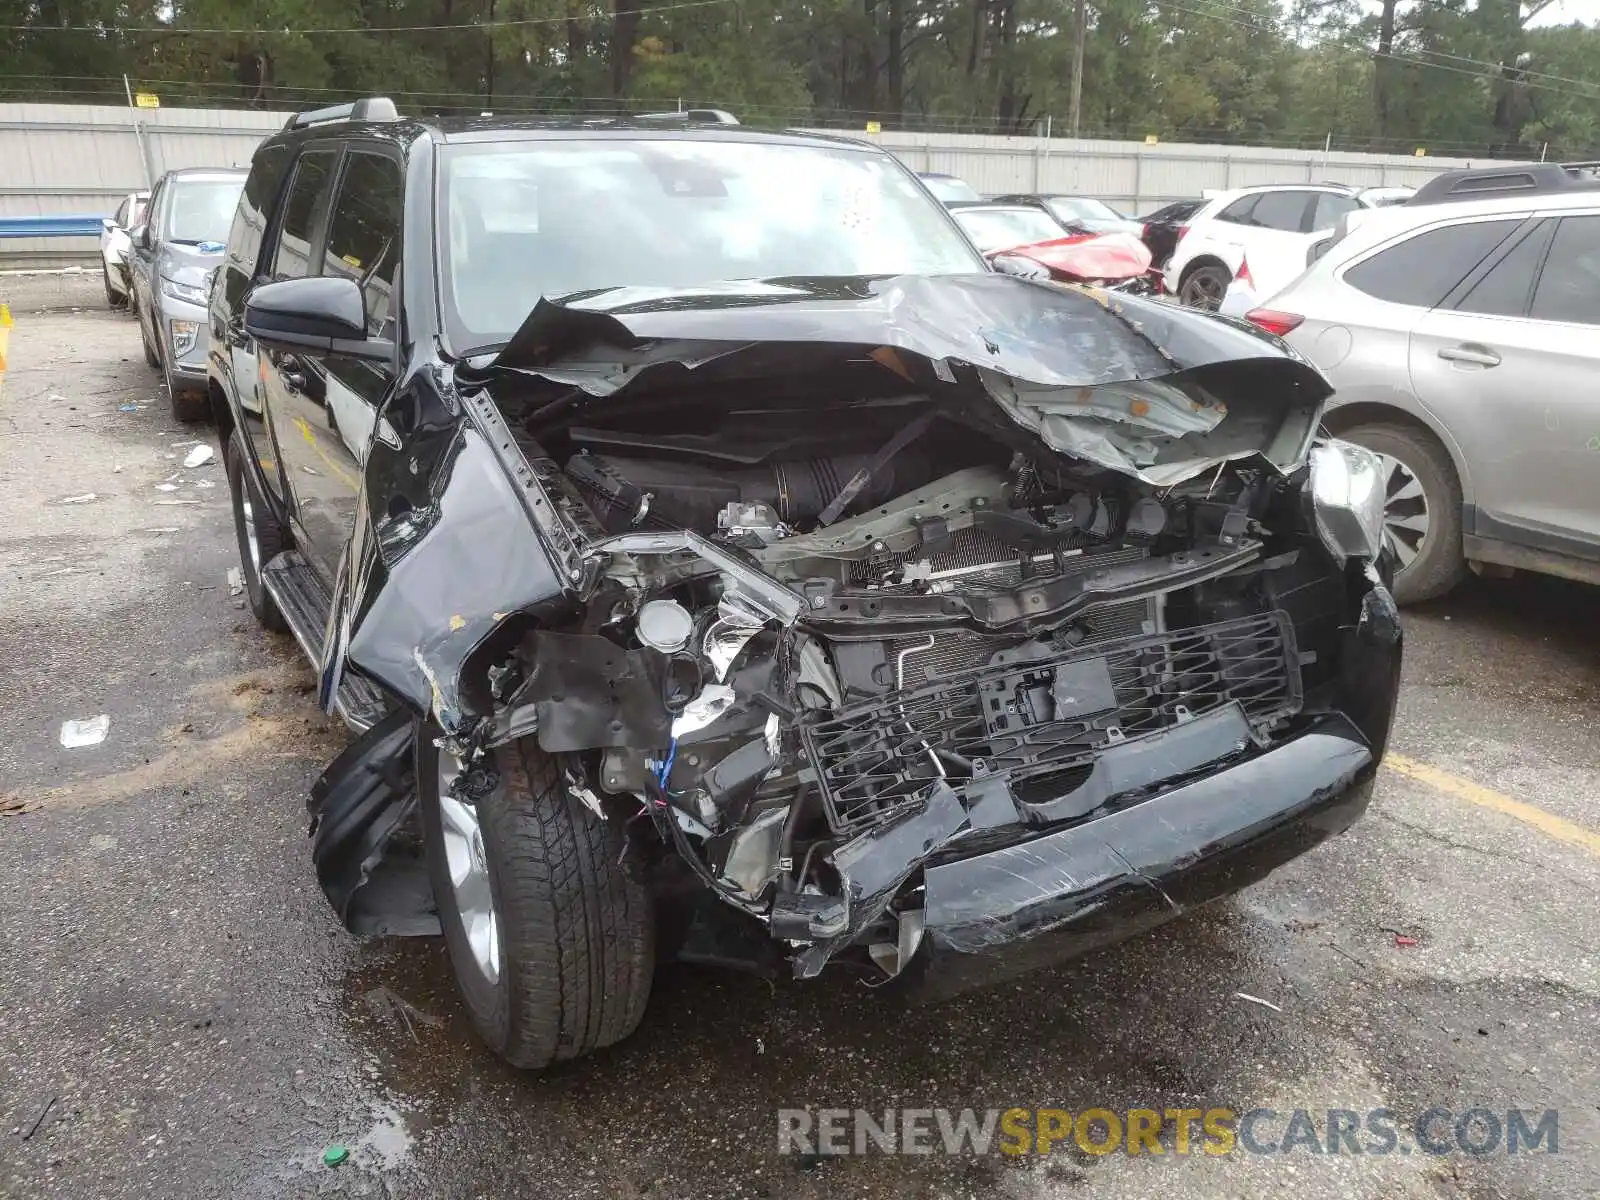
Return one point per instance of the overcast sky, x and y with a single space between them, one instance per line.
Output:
1565 12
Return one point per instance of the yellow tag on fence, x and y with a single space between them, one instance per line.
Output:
5 334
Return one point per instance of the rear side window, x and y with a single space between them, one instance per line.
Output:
1239 211
1284 211
1569 286
308 198
1503 292
250 218
364 234
1330 208
1421 270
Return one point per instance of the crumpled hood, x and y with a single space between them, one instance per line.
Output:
1047 354
189 264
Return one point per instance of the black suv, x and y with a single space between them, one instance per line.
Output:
717 561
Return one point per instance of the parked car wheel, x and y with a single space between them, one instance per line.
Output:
1422 516
150 355
261 538
1204 287
114 298
551 939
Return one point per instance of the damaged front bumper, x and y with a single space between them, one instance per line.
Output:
1061 895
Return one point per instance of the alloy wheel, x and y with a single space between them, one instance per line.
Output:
1405 511
469 872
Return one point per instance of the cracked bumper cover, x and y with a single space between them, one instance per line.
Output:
1066 893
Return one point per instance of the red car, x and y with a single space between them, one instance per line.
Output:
1109 259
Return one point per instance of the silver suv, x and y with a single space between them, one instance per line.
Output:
1460 333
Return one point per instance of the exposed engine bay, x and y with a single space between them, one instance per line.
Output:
874 616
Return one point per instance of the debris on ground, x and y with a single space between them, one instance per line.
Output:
1257 1000
130 406
1404 939
166 487
334 1155
90 731
51 1103
16 806
198 457
235 581
85 498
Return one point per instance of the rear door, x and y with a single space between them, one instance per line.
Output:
1273 229
289 387
1511 359
233 352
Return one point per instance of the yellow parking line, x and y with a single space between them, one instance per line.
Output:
1473 793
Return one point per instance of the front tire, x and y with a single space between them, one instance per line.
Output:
261 539
1422 513
550 937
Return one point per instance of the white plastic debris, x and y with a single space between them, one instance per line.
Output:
1258 1000
198 457
83 499
170 502
235 581
162 529
166 487
89 732
205 483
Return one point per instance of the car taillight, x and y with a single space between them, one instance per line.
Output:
1279 324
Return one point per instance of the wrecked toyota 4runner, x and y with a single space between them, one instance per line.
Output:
930 625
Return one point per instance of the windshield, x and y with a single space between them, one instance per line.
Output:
553 218
948 188
1077 208
201 210
996 228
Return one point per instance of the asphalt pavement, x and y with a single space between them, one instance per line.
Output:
182 1016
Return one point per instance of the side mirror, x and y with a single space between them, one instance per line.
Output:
141 237
108 223
323 313
1020 265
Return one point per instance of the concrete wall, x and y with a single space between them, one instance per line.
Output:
82 159
1137 177
75 159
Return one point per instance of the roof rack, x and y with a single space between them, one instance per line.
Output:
692 116
375 108
1485 183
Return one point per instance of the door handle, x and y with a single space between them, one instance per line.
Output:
1479 355
294 381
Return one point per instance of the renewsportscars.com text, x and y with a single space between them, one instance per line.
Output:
1176 1131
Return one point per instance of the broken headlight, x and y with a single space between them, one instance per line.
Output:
191 293
1348 494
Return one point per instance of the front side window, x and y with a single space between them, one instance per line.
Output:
200 210
308 196
552 218
364 233
1569 285
1421 270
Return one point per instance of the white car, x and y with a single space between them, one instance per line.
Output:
1260 233
116 243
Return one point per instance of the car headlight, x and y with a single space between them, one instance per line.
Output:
1347 491
183 291
184 334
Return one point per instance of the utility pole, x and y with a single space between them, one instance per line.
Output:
1080 26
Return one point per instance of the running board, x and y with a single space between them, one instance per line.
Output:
304 600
